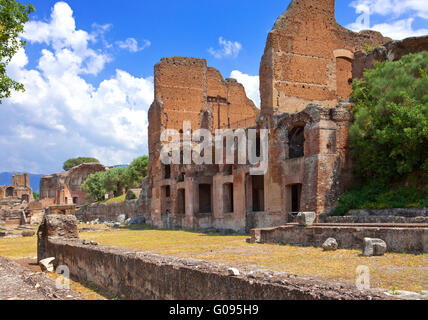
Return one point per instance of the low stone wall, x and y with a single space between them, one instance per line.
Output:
404 238
373 219
403 212
404 215
110 211
146 276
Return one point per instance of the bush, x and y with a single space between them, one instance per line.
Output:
116 180
389 137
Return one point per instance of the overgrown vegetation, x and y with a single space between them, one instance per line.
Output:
13 16
116 180
389 137
71 163
36 196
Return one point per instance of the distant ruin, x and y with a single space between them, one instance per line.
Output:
65 187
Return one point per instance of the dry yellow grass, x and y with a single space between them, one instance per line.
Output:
402 271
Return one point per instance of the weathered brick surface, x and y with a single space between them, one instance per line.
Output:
391 51
308 57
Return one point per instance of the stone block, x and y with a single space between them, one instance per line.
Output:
330 245
374 247
306 219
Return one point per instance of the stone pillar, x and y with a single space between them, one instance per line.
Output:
191 202
59 222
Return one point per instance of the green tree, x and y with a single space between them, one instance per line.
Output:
94 185
389 137
138 170
117 180
71 163
13 16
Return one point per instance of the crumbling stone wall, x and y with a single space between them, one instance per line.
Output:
399 238
391 51
314 180
308 58
146 276
186 89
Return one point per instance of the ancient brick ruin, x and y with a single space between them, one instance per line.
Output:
305 78
308 58
65 187
20 189
14 200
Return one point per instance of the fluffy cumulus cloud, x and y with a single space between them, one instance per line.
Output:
251 84
227 49
400 16
62 115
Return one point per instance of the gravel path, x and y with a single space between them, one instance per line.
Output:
19 283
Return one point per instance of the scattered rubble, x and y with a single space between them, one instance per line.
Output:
330 245
374 247
46 264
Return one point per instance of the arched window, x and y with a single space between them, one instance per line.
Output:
296 142
344 60
9 192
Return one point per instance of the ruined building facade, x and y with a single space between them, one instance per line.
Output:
20 189
65 187
306 74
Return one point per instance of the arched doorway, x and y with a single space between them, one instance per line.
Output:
344 59
9 192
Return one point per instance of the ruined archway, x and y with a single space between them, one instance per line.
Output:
9 192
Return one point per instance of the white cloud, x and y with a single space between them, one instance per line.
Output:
251 85
400 13
228 49
61 115
131 45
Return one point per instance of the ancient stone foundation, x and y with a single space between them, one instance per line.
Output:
110 211
141 275
399 238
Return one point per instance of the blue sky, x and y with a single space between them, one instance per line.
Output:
88 67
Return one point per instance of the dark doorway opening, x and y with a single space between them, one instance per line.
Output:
75 200
25 197
167 172
228 198
205 198
181 202
258 184
296 192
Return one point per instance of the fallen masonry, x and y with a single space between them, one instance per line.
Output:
19 283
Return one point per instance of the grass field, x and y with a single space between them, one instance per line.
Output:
399 271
